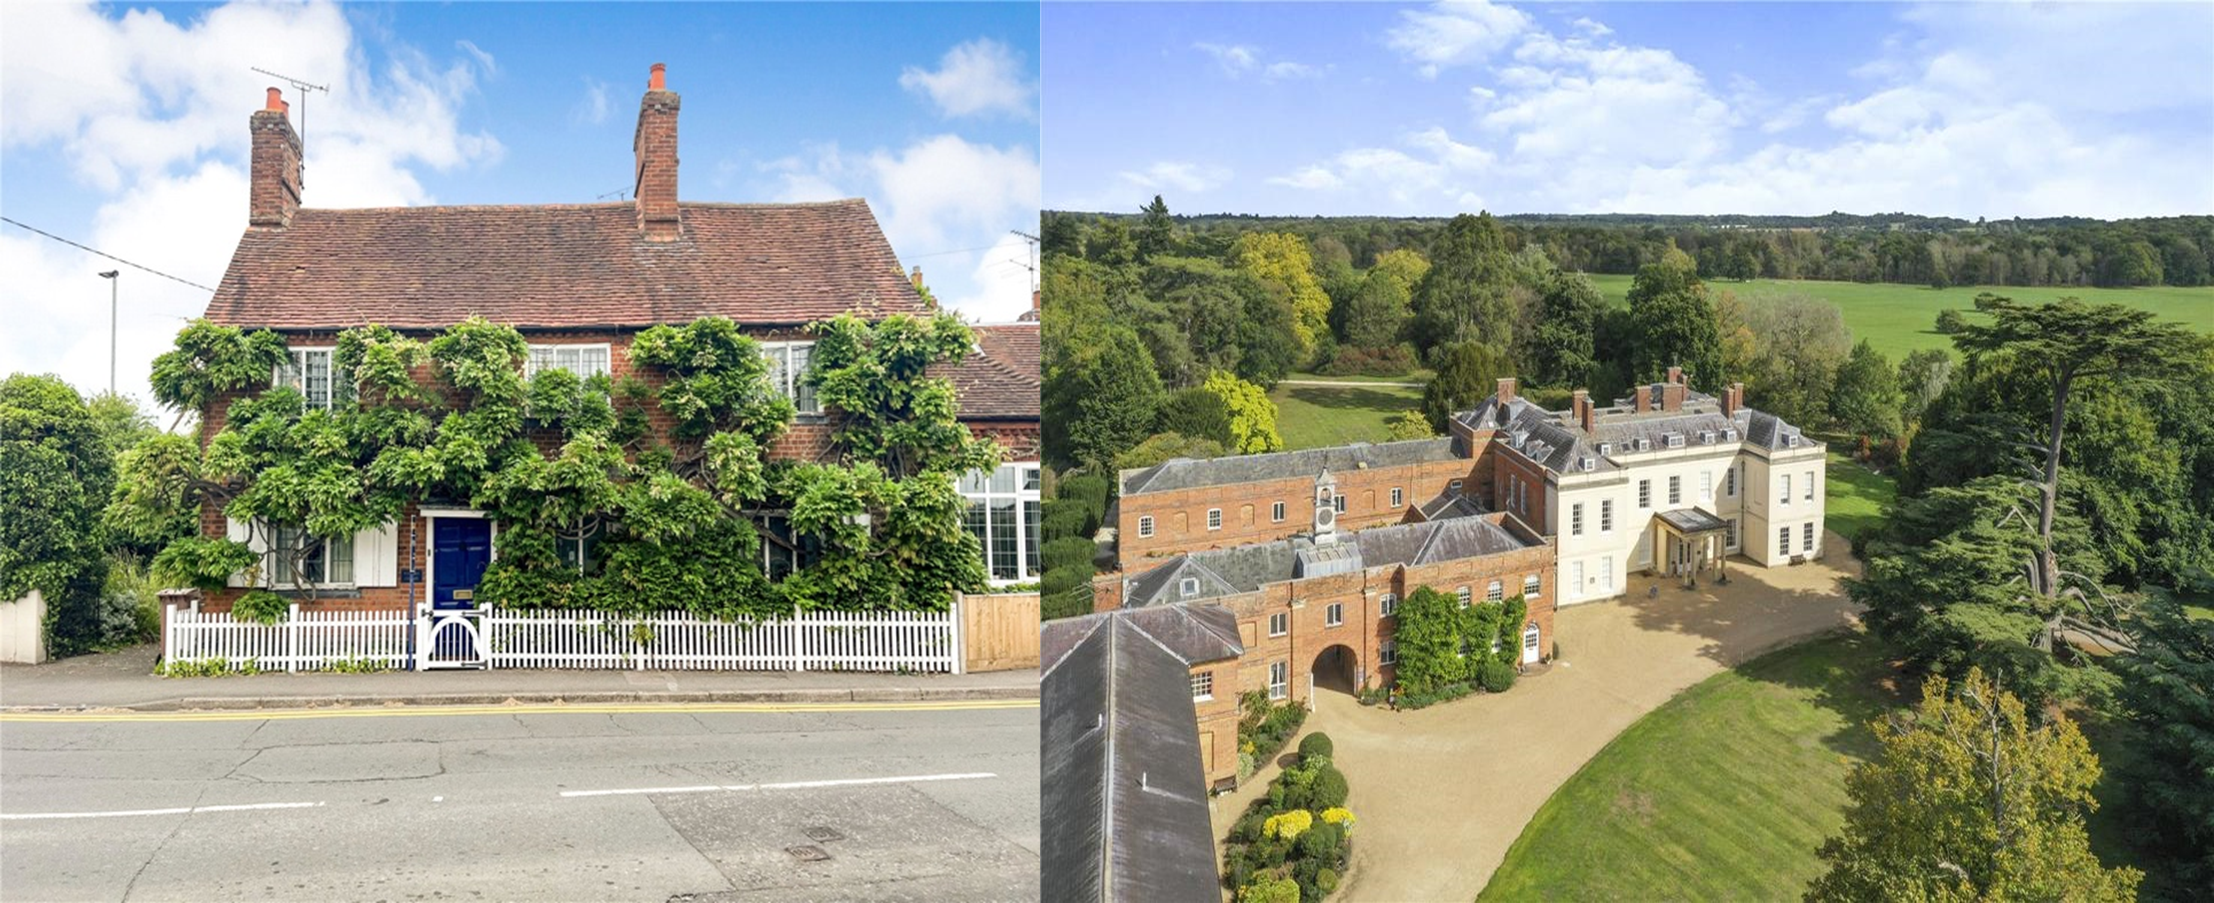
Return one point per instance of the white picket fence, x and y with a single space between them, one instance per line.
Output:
928 642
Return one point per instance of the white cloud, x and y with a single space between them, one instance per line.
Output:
1393 180
592 106
1591 27
1456 33
483 57
1166 175
151 114
1312 178
975 78
1238 60
1001 280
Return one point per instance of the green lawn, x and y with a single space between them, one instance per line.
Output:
1317 416
1856 495
1418 375
1722 793
1901 318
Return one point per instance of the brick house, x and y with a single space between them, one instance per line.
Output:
579 281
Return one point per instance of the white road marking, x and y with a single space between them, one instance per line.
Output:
182 810
788 785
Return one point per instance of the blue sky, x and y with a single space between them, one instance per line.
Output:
1972 109
124 127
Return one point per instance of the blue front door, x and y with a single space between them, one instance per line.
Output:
460 549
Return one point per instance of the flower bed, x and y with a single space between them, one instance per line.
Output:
1292 845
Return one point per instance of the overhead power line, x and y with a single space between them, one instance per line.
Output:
105 254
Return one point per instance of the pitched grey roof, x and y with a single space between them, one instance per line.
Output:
1768 430
1557 443
1120 760
1245 569
1188 473
1450 504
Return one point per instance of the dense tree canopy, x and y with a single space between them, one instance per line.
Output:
1675 327
56 470
1467 373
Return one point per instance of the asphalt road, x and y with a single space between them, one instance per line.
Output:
916 801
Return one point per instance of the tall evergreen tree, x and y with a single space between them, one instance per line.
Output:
1675 326
1464 295
1156 232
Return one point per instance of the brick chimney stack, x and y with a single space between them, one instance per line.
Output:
1581 407
917 278
656 146
1733 398
1676 376
1506 390
273 192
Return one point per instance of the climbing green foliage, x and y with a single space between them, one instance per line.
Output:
594 508
211 359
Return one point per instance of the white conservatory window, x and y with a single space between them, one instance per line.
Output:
1004 515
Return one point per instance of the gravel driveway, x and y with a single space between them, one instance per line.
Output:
1442 792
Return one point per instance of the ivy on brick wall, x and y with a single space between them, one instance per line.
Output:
666 520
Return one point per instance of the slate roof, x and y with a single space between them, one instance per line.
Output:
1000 381
1692 520
1245 569
1189 473
1450 504
562 266
1120 759
1554 441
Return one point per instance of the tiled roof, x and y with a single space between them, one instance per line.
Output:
1001 380
562 265
1120 764
1188 473
1244 569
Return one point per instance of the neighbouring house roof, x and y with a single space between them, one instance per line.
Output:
1245 569
1189 473
1120 761
562 266
1000 381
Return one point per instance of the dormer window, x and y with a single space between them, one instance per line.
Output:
1706 437
1791 442
1643 443
1674 440
1606 448
1729 435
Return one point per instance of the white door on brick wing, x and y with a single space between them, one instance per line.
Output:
1530 641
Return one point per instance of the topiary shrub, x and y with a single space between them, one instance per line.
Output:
1496 677
261 607
1321 842
1315 746
1270 890
1326 880
1069 552
1328 790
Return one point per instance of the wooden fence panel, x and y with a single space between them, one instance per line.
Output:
1000 631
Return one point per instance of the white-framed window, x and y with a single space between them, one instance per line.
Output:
1495 591
1733 532
1203 686
1532 587
1279 623
1145 525
1396 497
576 550
1214 518
1606 515
783 551
1389 604
586 361
1279 680
1387 653
1729 482
788 362
1785 497
1333 614
1810 486
1004 516
1783 540
1706 485
1465 596
1521 495
1187 587
319 381
1675 490
1645 493
1338 503
1276 512
1576 579
1806 537
1456 485
1576 519
1606 573
325 561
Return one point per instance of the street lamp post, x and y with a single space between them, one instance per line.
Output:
110 277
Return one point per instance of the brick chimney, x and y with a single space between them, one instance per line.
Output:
273 192
1506 390
1581 407
1676 376
1036 298
656 147
1732 399
917 278
1673 395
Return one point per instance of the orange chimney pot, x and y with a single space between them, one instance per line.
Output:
658 81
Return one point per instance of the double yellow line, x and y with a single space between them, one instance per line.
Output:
427 711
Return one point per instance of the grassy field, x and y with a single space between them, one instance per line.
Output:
1901 318
1417 375
1856 495
1723 793
1316 416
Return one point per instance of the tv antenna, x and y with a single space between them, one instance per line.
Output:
1027 259
302 88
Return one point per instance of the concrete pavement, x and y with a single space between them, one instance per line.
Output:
1442 792
124 679
907 801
